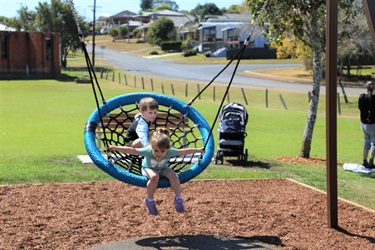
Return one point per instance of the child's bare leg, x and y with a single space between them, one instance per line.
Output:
175 184
152 184
173 180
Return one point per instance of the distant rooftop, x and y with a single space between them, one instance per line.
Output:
6 28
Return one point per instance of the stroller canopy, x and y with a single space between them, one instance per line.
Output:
234 110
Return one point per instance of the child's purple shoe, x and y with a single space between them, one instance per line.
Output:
179 203
151 207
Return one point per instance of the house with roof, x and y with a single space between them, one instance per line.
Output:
217 35
120 18
102 21
183 23
230 31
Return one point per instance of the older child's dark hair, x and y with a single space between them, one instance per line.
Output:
160 138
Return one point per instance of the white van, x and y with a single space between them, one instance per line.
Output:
104 31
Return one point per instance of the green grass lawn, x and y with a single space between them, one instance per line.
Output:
42 123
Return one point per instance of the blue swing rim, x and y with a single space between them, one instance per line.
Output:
141 181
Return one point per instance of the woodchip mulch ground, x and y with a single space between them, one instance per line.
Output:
278 212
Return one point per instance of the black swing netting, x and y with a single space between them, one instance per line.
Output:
183 133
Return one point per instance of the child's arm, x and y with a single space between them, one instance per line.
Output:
188 151
124 149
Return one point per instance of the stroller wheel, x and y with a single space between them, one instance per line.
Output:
245 157
222 158
240 157
218 157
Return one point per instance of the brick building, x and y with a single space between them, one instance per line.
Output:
30 53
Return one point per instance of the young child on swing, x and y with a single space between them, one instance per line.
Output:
138 132
155 164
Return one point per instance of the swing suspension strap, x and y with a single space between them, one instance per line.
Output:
239 56
91 70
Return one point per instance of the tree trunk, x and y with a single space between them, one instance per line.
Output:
314 101
349 76
342 85
63 59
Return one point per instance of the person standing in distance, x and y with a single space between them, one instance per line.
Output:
366 105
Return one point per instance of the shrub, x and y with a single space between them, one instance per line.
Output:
186 44
113 32
153 52
123 31
171 46
190 52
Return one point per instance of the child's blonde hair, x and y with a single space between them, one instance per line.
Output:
160 138
148 103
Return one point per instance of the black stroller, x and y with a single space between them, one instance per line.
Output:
232 132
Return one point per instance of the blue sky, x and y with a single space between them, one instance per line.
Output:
9 8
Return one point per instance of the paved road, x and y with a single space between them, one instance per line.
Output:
202 73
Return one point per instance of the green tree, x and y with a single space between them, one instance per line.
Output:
146 5
123 31
13 22
113 32
161 30
355 42
201 11
162 7
234 9
172 4
25 20
3 19
306 21
58 17
45 20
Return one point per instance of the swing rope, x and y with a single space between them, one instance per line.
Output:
239 56
91 71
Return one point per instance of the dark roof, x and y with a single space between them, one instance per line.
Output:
123 14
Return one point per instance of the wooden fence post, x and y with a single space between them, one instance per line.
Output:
266 98
126 80
244 96
162 88
214 92
143 83
135 81
172 88
119 77
199 90
152 85
283 102
186 90
338 103
113 76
